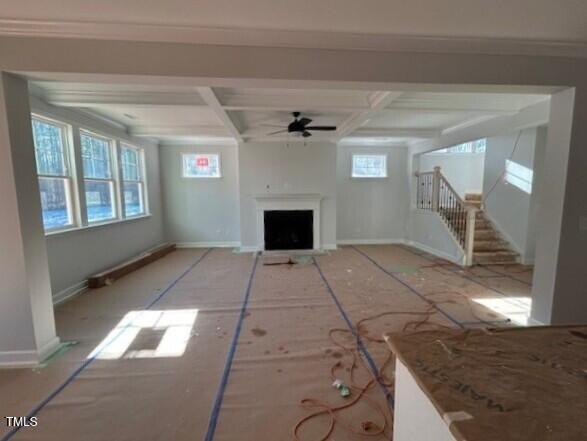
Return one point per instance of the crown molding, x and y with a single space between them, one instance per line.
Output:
292 39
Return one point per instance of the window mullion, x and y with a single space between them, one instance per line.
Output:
119 183
82 212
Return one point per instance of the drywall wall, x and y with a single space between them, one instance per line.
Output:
507 206
75 255
200 211
464 171
279 168
427 231
372 210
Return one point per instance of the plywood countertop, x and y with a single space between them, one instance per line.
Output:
511 384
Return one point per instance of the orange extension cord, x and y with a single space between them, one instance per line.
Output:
371 428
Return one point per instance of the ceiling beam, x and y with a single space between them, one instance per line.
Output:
96 99
301 100
180 131
209 96
532 116
287 107
395 133
377 102
449 109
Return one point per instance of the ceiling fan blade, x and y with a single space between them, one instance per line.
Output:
278 131
323 128
304 121
271 125
306 134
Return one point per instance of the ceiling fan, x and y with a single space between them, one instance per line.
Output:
299 127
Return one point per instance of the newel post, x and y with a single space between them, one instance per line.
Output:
435 188
470 234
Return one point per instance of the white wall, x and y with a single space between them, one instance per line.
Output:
201 211
464 171
507 206
275 167
372 210
427 231
77 254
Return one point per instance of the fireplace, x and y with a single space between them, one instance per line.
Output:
302 228
289 229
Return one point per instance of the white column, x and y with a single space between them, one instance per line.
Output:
27 326
559 293
470 235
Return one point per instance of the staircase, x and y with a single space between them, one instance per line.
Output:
489 247
466 220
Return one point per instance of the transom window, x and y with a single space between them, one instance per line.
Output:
369 166
477 146
132 182
198 165
98 180
55 178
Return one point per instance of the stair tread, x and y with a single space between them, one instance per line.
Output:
495 253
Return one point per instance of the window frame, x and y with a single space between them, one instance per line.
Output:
114 179
70 176
446 150
71 132
142 179
218 154
386 165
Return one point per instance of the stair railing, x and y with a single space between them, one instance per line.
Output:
434 193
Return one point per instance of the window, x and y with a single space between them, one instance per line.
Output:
131 161
478 146
519 176
201 165
113 175
98 177
369 166
55 181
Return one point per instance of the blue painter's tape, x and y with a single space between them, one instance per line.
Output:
228 365
412 289
362 347
89 361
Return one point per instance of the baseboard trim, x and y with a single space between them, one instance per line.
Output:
330 246
27 359
534 322
370 241
248 249
435 252
208 244
48 348
68 293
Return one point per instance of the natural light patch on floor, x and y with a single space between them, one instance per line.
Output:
166 334
517 309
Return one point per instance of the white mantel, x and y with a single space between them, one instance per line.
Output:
287 201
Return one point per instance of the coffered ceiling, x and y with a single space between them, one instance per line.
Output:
182 114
